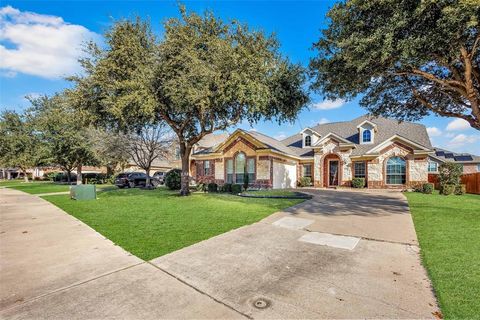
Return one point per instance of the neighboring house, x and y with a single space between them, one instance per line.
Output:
388 154
469 162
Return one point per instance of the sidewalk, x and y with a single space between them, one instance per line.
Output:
54 266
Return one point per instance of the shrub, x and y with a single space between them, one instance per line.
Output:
227 187
358 182
173 179
427 188
212 187
236 188
447 189
245 181
304 182
460 189
449 173
49 176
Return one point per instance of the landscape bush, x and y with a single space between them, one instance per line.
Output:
227 187
358 182
236 188
212 187
304 182
460 189
447 189
449 173
173 179
427 188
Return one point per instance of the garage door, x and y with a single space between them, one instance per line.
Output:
284 175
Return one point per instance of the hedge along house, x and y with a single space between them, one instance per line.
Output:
386 153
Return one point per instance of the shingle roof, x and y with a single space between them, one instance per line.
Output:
212 140
386 129
449 156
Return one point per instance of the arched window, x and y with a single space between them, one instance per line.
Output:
308 141
240 160
367 136
396 171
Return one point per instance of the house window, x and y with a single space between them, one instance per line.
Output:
251 170
206 167
359 169
432 167
307 170
396 171
478 167
367 136
308 141
230 171
240 167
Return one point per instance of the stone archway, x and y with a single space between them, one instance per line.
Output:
332 170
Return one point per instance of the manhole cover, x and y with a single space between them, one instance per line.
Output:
261 303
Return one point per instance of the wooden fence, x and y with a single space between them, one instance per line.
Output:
470 180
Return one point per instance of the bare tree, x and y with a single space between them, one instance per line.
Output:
149 143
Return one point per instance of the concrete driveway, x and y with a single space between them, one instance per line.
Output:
340 255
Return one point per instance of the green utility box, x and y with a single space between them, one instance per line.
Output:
83 192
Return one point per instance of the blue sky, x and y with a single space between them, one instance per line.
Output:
40 41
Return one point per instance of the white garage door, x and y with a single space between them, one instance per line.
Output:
284 175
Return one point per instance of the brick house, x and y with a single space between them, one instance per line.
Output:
388 154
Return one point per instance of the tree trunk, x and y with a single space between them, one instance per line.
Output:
79 174
147 182
25 175
185 182
69 176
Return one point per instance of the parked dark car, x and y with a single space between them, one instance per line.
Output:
160 176
134 179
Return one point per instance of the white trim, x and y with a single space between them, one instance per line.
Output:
369 122
331 134
390 140
310 129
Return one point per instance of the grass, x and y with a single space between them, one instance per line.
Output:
272 192
39 187
448 229
152 223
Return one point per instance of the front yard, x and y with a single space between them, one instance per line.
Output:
448 229
150 224
39 187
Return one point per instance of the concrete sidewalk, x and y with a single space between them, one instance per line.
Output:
54 266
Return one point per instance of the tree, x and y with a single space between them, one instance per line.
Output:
204 75
109 148
409 58
149 143
68 140
20 144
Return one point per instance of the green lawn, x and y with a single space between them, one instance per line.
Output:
272 192
153 223
39 187
448 229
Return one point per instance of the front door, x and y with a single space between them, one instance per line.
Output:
333 173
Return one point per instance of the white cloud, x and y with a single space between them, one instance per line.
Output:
329 104
434 132
458 125
323 121
40 45
463 139
280 136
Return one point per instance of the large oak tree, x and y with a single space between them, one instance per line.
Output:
408 57
204 75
